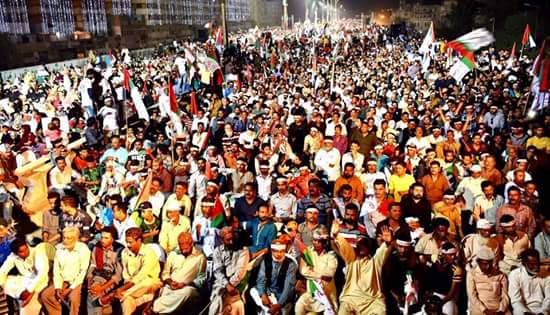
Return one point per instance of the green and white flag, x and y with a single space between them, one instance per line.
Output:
461 68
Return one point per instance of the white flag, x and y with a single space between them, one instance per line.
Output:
428 40
138 103
532 43
460 69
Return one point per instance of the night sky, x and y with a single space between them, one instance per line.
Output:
297 7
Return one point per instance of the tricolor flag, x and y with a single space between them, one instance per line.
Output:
428 40
466 45
527 38
461 68
217 215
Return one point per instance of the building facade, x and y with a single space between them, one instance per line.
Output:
42 31
420 13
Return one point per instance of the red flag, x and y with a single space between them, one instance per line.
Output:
194 106
173 100
126 79
219 37
144 91
239 83
545 75
513 53
526 34
539 59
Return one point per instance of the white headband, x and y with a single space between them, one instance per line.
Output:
508 224
403 243
278 247
449 251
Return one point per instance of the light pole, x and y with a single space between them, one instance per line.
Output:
285 14
224 23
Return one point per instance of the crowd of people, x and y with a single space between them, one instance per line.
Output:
321 170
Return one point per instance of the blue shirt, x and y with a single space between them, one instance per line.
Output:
262 235
5 250
283 294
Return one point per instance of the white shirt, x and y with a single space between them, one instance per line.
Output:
34 269
421 144
264 186
528 293
368 181
70 265
358 161
324 159
122 227
109 116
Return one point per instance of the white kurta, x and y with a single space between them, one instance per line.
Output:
329 163
528 293
190 270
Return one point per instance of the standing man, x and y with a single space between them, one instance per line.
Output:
523 215
69 270
435 183
283 203
183 276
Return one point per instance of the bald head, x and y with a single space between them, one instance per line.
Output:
70 236
185 243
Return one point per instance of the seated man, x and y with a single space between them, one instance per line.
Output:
262 229
363 272
445 278
32 266
104 273
319 268
529 292
274 289
512 242
473 242
487 287
140 272
230 266
69 270
171 229
183 276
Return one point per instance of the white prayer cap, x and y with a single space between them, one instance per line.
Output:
476 168
485 253
483 224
